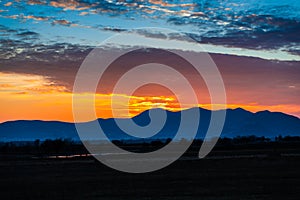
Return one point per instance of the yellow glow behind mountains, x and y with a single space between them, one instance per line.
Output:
27 96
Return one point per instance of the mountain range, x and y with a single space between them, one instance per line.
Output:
239 122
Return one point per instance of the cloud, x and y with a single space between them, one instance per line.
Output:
53 64
254 25
165 4
260 33
250 27
133 105
84 13
6 30
28 34
23 44
42 76
15 83
37 18
62 22
113 29
70 5
8 4
36 2
246 79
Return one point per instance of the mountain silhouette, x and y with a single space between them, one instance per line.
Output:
239 122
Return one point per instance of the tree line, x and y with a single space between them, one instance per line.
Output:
70 147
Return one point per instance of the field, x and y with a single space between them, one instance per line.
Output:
217 177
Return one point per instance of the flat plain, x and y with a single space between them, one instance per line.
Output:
216 177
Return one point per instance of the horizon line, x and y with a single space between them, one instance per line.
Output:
184 109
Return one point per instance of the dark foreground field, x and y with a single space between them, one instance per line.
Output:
258 177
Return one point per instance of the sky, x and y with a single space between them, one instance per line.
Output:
254 43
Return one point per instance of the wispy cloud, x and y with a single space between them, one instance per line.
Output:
13 83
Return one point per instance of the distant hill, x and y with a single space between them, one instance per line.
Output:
239 122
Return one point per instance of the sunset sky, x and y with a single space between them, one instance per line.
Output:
255 44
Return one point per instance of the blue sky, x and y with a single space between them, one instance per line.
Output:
267 27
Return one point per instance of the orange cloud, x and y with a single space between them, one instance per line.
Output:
8 4
27 96
31 84
36 18
165 4
62 22
69 5
83 13
36 2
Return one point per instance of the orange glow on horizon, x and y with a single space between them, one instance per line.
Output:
34 97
